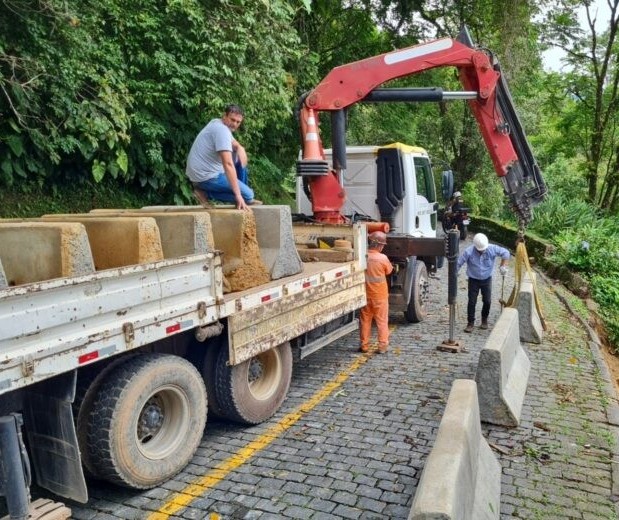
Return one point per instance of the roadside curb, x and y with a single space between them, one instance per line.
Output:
612 408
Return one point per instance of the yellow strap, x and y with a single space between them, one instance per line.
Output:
522 259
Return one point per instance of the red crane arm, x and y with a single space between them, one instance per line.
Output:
350 83
492 107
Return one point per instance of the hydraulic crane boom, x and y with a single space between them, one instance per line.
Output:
488 96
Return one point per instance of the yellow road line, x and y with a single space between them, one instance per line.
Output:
196 489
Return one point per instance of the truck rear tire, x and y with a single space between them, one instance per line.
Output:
253 391
208 373
88 381
417 309
146 420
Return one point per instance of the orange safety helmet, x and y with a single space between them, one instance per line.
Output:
377 237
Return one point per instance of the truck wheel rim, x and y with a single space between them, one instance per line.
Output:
424 291
163 422
264 374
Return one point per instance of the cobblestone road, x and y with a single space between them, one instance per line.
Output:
352 438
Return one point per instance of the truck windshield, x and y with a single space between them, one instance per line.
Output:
425 180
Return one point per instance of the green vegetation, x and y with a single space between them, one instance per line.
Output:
100 102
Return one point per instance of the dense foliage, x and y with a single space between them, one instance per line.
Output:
110 88
100 102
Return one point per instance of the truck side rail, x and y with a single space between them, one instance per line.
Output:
262 318
51 327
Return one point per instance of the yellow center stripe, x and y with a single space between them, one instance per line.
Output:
195 490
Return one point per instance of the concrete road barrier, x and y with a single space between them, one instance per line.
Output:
462 477
235 234
37 251
118 241
182 233
503 372
276 240
531 330
273 233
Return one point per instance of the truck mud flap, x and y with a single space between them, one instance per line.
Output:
52 439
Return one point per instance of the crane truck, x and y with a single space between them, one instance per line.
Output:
391 184
108 367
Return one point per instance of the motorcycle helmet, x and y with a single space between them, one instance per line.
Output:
457 195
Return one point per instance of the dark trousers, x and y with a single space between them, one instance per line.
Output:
475 287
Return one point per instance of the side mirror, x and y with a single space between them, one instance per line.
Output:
447 184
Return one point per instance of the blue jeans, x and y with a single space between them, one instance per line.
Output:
475 287
219 187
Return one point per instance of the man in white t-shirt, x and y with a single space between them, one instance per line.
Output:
211 163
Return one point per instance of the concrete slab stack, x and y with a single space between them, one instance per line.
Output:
234 232
182 233
274 235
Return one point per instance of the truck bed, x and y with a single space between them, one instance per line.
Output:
53 326
50 327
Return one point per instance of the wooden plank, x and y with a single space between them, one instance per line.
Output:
325 255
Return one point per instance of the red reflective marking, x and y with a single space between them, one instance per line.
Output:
173 328
88 357
306 284
265 298
339 273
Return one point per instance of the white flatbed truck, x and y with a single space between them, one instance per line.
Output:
113 371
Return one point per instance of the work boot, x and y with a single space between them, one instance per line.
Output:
469 328
254 202
484 324
382 349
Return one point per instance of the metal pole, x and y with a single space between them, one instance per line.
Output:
453 250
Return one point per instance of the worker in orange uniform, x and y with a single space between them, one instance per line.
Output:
377 293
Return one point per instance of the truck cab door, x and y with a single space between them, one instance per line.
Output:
420 203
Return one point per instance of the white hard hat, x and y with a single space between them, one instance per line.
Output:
457 194
480 241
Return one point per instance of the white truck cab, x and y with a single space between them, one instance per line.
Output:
373 187
394 184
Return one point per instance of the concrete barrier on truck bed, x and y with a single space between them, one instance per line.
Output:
37 251
273 232
503 372
461 477
276 240
234 233
182 233
531 330
118 241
